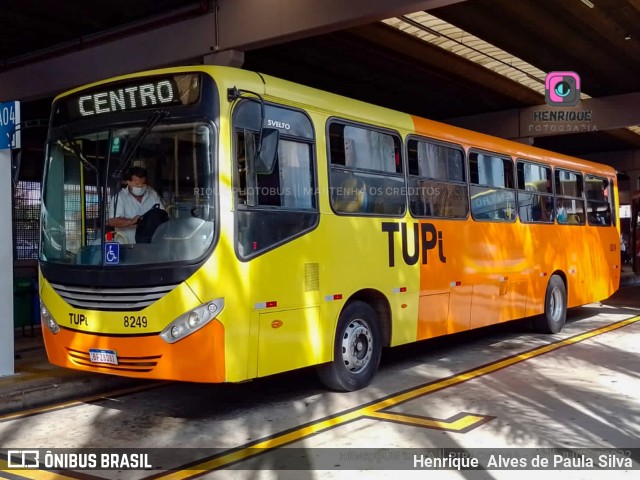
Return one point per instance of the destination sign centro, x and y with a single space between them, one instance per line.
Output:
127 98
131 95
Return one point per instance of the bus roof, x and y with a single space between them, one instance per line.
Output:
319 101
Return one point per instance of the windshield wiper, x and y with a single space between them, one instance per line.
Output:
130 148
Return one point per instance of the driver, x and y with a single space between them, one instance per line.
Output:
133 201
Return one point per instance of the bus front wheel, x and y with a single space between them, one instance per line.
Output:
555 307
357 350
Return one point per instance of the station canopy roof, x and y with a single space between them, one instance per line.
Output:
467 58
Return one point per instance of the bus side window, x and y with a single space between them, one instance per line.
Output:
437 186
274 207
535 192
365 171
569 197
492 194
599 201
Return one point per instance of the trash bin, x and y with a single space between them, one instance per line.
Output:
22 302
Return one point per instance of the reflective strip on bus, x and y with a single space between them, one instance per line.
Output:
263 305
330 298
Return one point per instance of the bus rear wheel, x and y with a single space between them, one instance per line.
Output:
555 307
357 350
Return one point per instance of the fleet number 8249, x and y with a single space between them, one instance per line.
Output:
133 321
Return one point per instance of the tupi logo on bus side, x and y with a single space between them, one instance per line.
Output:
424 234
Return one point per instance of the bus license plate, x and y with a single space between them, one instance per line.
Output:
103 356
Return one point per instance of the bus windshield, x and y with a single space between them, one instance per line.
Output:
100 189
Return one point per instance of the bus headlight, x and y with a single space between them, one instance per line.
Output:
48 320
191 321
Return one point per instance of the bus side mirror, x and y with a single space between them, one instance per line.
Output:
268 151
263 159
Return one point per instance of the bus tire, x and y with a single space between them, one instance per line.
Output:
555 307
357 349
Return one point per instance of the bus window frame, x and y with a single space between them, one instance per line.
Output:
465 166
567 197
237 207
613 216
551 195
514 179
403 175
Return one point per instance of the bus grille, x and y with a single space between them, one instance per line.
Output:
111 299
125 364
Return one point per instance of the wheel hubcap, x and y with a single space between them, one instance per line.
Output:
555 304
357 346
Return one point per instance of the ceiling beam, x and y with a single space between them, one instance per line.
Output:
593 114
448 64
256 23
167 45
243 24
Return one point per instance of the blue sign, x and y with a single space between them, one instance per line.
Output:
112 253
9 118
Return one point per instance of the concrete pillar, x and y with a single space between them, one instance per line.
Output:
6 267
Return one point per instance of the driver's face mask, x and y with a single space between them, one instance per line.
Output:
138 191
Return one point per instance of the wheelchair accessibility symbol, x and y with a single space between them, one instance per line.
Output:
112 253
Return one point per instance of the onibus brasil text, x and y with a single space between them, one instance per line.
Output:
55 460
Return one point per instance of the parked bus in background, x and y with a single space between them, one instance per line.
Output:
302 229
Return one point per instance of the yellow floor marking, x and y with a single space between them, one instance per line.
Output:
457 425
31 473
71 403
37 474
374 409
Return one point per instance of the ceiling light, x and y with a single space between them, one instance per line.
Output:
588 3
627 37
465 45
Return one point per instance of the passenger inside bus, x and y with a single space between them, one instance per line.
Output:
574 219
542 205
131 203
562 212
350 196
542 209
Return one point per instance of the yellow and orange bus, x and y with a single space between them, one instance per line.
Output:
302 228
